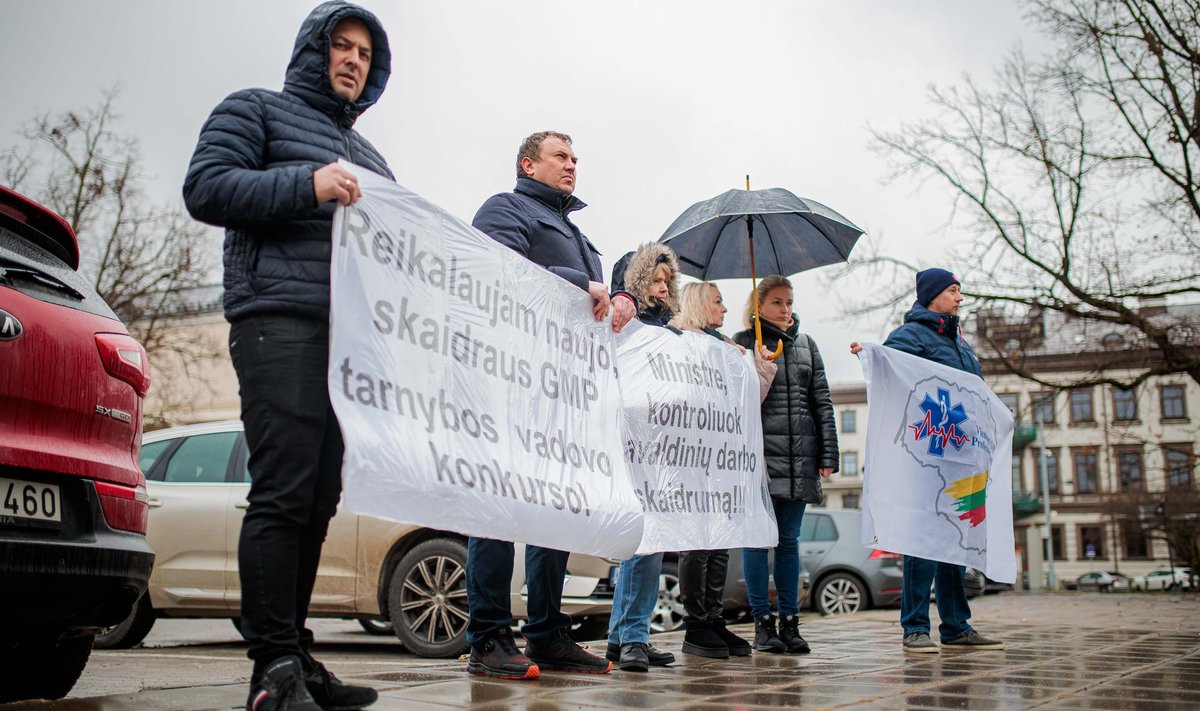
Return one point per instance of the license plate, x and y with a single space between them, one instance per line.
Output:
29 501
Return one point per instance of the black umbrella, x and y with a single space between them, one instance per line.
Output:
718 238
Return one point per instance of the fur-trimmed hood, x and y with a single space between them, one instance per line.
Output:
639 274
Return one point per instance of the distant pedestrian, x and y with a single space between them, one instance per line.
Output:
931 331
265 168
800 447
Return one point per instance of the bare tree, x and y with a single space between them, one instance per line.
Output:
1076 176
145 259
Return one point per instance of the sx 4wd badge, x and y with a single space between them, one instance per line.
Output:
114 413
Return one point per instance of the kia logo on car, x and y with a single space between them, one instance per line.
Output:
10 327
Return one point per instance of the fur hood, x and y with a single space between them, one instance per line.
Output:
640 274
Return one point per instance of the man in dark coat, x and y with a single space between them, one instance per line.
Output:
534 221
265 168
931 331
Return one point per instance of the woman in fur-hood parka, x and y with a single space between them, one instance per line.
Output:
635 272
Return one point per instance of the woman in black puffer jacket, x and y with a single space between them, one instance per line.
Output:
799 447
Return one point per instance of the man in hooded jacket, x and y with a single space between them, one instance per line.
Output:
265 168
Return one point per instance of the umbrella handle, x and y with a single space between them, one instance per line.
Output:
754 289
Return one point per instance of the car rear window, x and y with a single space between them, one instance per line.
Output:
38 273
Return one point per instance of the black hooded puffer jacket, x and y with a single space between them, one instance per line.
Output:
799 432
252 172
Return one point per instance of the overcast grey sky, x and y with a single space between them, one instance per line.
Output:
669 102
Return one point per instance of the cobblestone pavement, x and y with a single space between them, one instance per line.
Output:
1064 651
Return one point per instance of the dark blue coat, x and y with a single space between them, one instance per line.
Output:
533 220
935 337
799 431
252 173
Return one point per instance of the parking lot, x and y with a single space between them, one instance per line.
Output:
1065 651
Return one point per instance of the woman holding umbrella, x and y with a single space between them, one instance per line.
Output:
799 447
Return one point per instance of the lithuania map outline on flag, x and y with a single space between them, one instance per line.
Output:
942 432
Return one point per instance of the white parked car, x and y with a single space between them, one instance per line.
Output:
391 577
1164 579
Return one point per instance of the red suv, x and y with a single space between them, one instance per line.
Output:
73 505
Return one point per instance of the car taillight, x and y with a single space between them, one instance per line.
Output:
125 508
876 553
125 359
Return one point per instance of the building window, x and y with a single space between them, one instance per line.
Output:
1016 472
849 501
1124 404
1133 540
1129 466
1011 401
850 463
1085 470
1173 406
1177 460
1091 542
849 421
1051 470
1056 542
1081 406
1043 408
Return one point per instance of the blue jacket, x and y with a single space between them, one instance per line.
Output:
935 337
533 220
252 172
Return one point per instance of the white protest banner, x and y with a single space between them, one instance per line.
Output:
693 440
936 484
475 390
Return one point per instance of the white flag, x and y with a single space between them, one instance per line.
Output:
937 479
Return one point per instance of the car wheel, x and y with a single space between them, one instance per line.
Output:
668 611
41 667
379 627
129 631
427 599
840 594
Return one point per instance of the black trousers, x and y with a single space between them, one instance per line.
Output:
295 471
702 585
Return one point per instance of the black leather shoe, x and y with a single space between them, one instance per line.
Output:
766 639
635 657
789 634
702 641
498 657
332 694
561 653
738 647
658 658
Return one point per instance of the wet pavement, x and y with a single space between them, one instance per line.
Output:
1064 651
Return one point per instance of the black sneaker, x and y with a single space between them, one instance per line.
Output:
498 657
766 639
789 634
281 688
635 657
332 694
561 653
738 647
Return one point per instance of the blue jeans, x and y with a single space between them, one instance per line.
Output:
788 515
919 575
634 599
489 577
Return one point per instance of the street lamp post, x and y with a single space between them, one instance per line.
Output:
1047 543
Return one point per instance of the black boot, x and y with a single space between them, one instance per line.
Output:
766 639
738 647
789 633
702 641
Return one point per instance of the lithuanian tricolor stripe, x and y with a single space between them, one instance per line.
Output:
971 495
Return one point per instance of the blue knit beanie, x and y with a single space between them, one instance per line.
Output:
932 282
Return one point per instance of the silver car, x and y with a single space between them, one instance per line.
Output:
381 573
